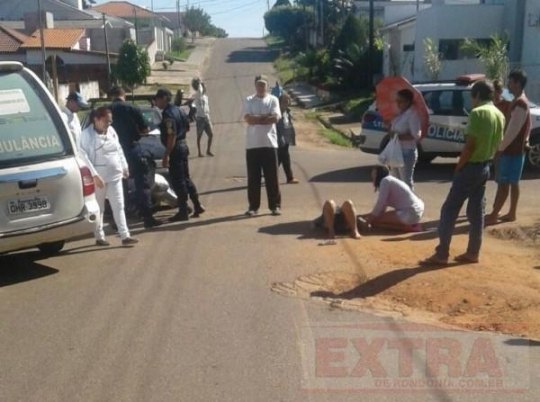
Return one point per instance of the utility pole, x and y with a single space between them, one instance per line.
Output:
109 81
42 40
179 18
321 20
371 51
136 26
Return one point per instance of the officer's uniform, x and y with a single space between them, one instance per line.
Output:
128 122
175 123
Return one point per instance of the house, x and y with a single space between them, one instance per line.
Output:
449 22
70 61
10 44
151 29
22 16
174 20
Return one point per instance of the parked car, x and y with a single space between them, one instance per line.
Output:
151 143
46 192
449 104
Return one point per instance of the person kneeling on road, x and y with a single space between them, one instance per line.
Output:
405 216
174 127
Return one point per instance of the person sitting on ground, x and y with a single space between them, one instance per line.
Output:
405 216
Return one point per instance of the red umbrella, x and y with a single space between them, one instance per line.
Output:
387 91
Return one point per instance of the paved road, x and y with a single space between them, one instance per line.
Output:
188 314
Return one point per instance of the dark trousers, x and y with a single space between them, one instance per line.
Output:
468 184
142 175
180 179
262 161
285 159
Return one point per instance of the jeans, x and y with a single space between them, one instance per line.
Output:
285 158
406 173
262 160
115 193
469 183
180 179
143 179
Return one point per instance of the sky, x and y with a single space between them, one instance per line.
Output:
240 18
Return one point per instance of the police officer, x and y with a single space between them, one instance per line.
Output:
174 126
129 124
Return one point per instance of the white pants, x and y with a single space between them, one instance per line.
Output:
115 193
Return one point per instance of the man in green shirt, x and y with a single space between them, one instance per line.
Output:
483 135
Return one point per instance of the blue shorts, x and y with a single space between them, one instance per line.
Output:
509 169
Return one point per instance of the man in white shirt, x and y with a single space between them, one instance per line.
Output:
202 117
261 113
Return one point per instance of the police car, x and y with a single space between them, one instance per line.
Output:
449 104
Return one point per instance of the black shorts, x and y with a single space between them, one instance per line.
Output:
340 226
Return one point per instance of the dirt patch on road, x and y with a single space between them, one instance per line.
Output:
501 293
380 272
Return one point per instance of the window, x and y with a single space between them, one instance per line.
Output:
448 102
30 126
452 49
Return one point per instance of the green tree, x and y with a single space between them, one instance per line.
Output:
197 20
355 30
432 59
133 64
493 55
289 22
280 3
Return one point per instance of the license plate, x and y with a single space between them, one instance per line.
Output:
29 205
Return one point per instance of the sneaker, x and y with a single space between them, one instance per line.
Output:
179 217
129 241
293 181
151 223
251 212
198 211
209 153
102 243
276 212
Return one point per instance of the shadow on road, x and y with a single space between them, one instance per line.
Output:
432 173
522 342
253 55
22 267
193 223
381 283
223 190
362 174
304 229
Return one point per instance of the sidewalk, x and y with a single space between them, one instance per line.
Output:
180 73
305 96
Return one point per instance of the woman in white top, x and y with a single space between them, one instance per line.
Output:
405 212
100 143
407 126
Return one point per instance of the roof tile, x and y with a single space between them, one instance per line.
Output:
57 38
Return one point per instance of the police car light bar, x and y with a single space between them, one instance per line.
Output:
467 79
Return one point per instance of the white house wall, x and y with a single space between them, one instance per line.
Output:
530 57
455 22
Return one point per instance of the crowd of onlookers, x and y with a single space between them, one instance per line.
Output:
496 135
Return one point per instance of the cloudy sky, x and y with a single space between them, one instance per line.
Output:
240 18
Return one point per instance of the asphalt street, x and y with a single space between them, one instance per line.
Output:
188 314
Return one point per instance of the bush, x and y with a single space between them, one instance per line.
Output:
178 45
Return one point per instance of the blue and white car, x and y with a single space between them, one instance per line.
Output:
449 105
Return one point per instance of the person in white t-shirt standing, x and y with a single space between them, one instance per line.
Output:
202 117
261 113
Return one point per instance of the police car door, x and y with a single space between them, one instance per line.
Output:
447 121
